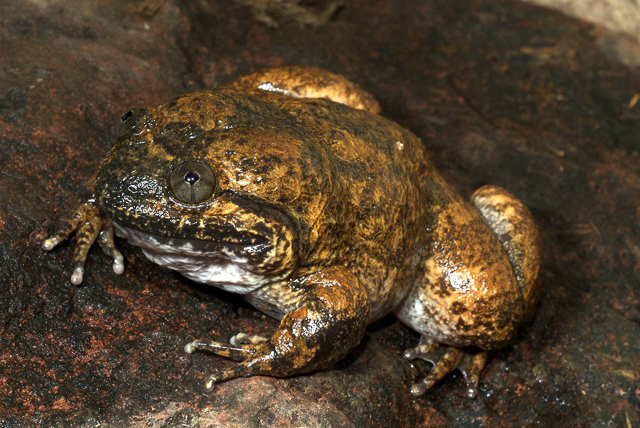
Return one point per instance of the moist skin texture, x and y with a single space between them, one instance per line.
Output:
288 187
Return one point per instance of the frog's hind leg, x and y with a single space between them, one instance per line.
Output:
446 359
516 230
481 279
309 82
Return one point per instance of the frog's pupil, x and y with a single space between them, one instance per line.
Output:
126 116
192 177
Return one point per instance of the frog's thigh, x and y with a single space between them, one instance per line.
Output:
468 295
310 82
516 230
440 311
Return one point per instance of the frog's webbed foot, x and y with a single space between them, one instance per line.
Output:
330 320
445 359
89 224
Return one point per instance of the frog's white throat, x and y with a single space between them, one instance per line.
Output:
225 267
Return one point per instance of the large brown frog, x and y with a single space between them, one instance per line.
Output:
287 187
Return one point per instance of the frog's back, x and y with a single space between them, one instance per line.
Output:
373 218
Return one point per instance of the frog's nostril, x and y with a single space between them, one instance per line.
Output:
192 182
126 116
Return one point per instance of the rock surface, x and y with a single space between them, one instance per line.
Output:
500 92
617 25
616 15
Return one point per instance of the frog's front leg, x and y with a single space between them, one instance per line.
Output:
89 223
328 315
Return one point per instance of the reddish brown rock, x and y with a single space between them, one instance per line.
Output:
500 92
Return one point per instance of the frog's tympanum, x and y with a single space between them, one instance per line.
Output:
289 188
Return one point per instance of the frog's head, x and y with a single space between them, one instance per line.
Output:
214 179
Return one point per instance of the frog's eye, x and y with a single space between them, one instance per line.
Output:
192 182
128 122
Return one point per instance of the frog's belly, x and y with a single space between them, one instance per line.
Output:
224 267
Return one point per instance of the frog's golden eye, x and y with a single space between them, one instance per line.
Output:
192 182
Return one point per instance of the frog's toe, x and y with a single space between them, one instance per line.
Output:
50 243
471 366
247 339
239 370
236 352
64 231
423 351
54 240
443 364
87 235
446 359
108 245
77 276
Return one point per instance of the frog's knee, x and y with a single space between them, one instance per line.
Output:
516 230
310 82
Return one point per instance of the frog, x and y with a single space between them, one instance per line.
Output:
287 186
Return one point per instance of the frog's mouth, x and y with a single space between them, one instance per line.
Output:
237 244
236 268
254 252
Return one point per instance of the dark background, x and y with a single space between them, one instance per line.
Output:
500 92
